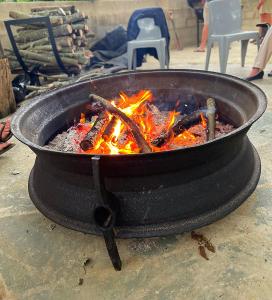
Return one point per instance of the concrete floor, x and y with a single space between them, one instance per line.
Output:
42 261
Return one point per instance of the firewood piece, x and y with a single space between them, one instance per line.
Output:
89 140
159 119
211 109
46 48
141 142
94 109
186 121
123 137
68 58
33 35
13 59
35 88
63 41
64 7
48 58
54 12
80 25
31 95
109 128
161 139
74 18
19 15
58 77
68 50
28 27
39 42
27 60
7 101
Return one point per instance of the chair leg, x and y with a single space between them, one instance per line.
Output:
167 57
161 56
223 54
244 45
130 51
208 55
134 59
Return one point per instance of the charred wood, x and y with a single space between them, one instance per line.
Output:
185 122
91 137
109 128
141 142
211 109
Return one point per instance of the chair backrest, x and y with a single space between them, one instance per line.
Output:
225 17
148 29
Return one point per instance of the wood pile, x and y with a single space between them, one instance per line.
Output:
71 33
7 101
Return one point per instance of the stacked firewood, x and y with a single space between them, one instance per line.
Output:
71 33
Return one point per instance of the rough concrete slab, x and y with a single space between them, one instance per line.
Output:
42 261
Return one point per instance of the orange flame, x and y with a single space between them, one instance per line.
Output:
203 120
121 141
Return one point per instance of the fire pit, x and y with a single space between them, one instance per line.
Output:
145 194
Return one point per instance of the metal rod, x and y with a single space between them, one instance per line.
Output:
105 214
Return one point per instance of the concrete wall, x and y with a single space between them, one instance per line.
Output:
105 14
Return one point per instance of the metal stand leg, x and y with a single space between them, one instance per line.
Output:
105 213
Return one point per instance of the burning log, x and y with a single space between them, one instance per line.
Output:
159 119
177 129
160 140
89 141
123 138
109 128
186 121
141 142
211 109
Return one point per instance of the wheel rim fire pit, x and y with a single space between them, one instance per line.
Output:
143 195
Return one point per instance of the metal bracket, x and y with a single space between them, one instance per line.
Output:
105 213
31 21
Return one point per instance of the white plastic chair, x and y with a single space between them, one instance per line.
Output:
149 37
225 27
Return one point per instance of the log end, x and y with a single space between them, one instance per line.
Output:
85 145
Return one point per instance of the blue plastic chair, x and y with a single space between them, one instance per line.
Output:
149 36
224 28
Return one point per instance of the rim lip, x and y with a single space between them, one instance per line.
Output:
261 97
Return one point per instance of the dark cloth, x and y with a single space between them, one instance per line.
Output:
196 5
110 50
133 30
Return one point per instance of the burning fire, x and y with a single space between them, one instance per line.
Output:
114 136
